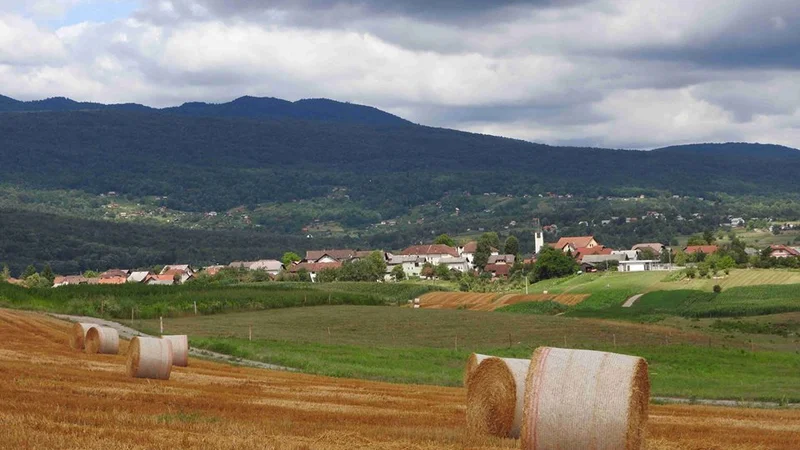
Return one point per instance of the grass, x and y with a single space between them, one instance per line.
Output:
544 308
419 346
116 302
675 370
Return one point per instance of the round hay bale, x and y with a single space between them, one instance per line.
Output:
495 394
150 358
77 334
103 340
585 399
472 364
180 349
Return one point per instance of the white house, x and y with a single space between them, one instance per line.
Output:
411 264
271 266
432 253
456 263
644 265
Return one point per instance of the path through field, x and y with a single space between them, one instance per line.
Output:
629 302
56 397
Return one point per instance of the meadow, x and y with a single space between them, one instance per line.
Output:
430 346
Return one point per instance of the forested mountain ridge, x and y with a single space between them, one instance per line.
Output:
246 107
207 163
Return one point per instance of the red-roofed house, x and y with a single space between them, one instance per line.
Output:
160 280
314 268
580 252
432 253
113 280
498 270
329 256
707 249
783 251
575 242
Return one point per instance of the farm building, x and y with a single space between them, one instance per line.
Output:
644 265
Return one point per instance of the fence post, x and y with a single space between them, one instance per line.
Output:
250 334
615 341
161 323
195 307
131 316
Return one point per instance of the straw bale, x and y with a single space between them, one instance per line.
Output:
103 340
77 334
472 364
585 399
150 358
180 349
495 393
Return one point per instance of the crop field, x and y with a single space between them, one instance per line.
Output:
120 302
55 397
491 301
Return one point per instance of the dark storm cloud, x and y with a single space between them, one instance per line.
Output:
434 11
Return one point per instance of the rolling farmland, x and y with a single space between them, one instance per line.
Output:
55 397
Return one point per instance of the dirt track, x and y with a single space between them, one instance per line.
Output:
55 397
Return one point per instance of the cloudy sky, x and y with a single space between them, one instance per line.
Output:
615 73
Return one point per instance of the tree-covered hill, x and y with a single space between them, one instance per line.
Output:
205 163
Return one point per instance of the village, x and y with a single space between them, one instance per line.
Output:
430 261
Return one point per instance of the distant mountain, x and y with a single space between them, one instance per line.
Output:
245 107
733 149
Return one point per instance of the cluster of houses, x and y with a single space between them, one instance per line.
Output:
587 251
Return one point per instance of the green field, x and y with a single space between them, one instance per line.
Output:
419 346
118 302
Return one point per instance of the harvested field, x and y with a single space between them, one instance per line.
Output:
56 397
491 301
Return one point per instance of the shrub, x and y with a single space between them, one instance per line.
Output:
717 289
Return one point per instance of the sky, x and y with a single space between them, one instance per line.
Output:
607 73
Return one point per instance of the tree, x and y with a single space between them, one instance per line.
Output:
647 253
427 270
725 264
666 255
47 273
482 253
289 258
327 275
491 238
398 273
92 274
29 271
696 240
5 274
709 237
680 258
442 272
38 281
512 246
445 240
377 263
303 275
553 263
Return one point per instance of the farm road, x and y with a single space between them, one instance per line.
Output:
629 302
129 333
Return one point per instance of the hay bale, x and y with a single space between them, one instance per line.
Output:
495 394
472 364
585 399
77 335
150 358
180 349
103 340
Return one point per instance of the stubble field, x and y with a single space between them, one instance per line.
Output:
55 397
